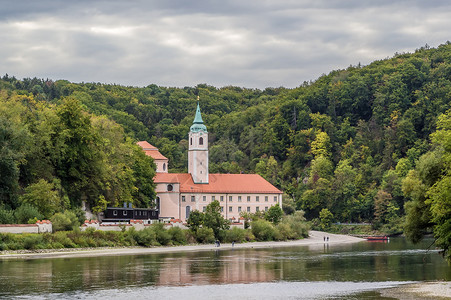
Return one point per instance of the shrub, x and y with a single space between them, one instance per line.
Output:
64 221
298 224
284 232
205 235
162 235
6 216
145 237
262 230
236 235
33 241
177 235
25 212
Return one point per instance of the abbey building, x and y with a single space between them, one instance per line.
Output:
180 193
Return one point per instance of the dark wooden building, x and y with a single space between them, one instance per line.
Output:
125 214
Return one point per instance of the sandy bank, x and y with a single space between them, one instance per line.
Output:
422 290
315 239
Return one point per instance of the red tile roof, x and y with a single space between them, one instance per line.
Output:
146 146
220 183
151 150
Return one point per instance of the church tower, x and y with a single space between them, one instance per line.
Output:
198 149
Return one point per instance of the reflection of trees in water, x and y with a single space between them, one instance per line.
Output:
358 262
62 275
218 267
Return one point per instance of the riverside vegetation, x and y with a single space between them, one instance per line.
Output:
208 227
364 144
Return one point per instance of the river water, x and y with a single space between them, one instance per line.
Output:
350 271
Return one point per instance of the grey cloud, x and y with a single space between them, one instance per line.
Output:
183 43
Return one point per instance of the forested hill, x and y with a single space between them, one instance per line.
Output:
344 142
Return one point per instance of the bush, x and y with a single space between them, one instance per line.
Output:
162 235
6 216
25 212
33 241
80 214
205 235
262 230
236 235
298 225
64 221
177 236
145 237
284 232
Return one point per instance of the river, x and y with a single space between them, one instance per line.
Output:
348 271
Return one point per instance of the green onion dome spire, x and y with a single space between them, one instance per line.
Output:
198 123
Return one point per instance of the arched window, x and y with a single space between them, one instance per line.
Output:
201 141
191 141
188 210
164 166
157 203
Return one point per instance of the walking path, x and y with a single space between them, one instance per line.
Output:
315 239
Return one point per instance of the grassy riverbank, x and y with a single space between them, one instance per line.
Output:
155 235
315 239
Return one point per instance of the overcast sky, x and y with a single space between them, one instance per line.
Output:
247 43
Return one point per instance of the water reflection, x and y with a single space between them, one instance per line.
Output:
362 262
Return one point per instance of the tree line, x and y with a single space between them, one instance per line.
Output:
348 142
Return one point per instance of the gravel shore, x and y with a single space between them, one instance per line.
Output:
423 290
315 239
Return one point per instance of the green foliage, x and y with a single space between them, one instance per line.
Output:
213 218
146 237
298 224
24 213
330 143
43 196
64 221
205 235
195 220
263 230
6 216
236 235
177 236
325 217
274 214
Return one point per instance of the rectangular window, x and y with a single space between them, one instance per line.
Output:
203 209
204 198
183 199
230 209
239 208
230 198
248 209
248 198
213 198
275 198
222 198
239 198
266 198
266 208
257 198
222 208
193 198
257 208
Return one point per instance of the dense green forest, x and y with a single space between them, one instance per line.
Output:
364 144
